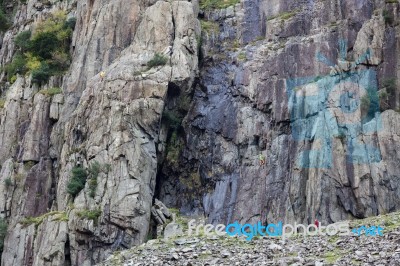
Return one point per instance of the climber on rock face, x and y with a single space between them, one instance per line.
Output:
262 159
102 75
316 223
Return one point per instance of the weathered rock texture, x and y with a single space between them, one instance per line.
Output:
243 108
190 132
115 122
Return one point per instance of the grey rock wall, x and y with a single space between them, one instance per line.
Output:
242 108
114 121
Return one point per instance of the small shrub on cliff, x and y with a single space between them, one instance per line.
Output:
388 16
4 23
22 40
59 62
42 74
369 103
242 56
32 62
92 187
17 66
80 176
44 44
157 60
209 26
90 214
199 39
45 52
3 232
365 103
94 171
13 79
8 182
172 119
77 181
70 23
384 100
2 103
390 85
173 149
28 165
383 95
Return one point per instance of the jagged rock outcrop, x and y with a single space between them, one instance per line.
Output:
160 212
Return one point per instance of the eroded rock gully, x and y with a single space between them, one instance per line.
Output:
190 132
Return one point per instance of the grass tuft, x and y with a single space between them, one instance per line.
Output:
90 214
157 60
60 216
217 4
284 15
209 26
51 92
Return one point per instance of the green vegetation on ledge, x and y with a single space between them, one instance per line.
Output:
51 92
390 85
388 16
284 15
8 182
4 23
77 181
209 26
2 103
60 216
80 175
45 52
242 56
94 170
174 148
90 214
217 4
157 60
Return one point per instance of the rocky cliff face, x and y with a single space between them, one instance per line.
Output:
256 77
263 64
112 120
